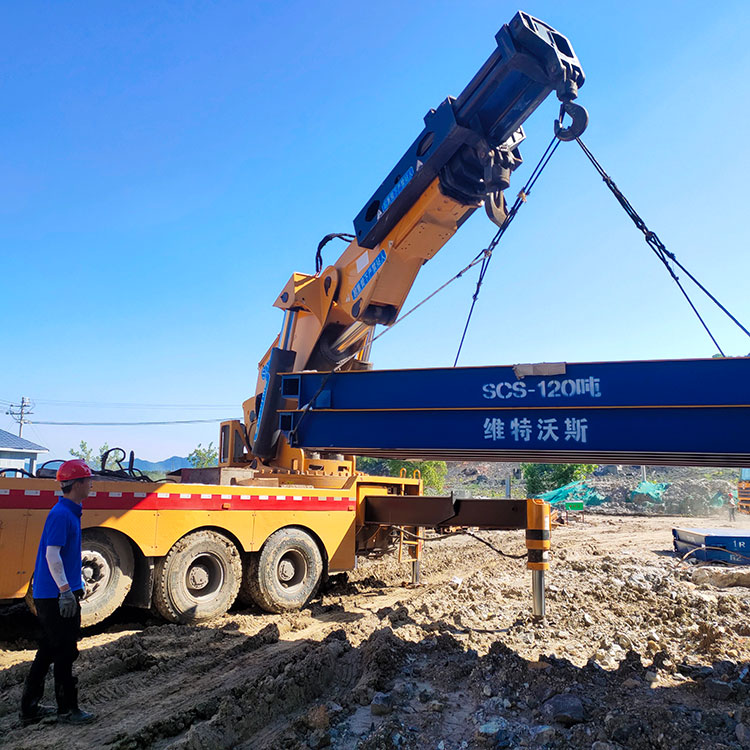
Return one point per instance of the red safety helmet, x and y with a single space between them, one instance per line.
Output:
75 469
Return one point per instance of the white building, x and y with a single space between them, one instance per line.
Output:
17 453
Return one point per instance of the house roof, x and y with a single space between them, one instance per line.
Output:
10 442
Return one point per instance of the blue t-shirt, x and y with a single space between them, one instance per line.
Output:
61 529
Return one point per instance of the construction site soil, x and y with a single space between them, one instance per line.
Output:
632 654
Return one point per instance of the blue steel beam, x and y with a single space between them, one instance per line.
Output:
678 412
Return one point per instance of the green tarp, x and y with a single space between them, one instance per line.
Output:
718 499
574 492
649 492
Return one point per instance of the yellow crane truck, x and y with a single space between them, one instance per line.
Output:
271 520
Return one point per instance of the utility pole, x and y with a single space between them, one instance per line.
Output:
19 413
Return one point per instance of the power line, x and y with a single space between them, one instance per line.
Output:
126 424
130 405
40 439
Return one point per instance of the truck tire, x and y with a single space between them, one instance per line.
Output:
286 573
198 578
107 571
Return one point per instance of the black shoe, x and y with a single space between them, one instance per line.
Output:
76 716
39 713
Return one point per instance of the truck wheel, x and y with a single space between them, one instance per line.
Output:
107 571
286 573
198 578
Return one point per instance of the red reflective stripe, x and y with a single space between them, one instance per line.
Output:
129 501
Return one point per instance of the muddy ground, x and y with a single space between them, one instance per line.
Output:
632 654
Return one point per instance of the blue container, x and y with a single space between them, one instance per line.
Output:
714 545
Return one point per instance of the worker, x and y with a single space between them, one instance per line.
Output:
732 506
57 589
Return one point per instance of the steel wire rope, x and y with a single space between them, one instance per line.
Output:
520 200
476 260
310 405
659 249
484 255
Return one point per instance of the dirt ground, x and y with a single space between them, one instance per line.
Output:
632 654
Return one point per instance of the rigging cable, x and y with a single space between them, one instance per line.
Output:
484 255
487 254
659 249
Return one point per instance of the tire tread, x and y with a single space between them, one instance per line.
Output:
161 599
258 571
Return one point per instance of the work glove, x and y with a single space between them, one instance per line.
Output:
68 604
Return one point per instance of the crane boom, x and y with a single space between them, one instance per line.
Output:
461 159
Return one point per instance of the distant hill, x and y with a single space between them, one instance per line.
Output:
165 466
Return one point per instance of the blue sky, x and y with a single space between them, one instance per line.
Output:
167 166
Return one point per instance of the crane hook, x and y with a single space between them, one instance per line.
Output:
580 120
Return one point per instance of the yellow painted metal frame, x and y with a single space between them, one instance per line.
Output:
154 531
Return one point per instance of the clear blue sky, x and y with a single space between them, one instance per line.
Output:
166 166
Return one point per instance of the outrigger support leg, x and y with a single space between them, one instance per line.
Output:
452 514
538 545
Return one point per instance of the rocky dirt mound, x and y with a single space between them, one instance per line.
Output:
690 491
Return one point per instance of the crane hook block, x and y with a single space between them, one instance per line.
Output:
530 60
580 121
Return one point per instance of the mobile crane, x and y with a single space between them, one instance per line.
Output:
462 159
272 519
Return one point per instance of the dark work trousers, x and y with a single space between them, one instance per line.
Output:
57 645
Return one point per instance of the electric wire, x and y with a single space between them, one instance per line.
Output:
438 537
495 549
705 547
126 424
128 405
659 249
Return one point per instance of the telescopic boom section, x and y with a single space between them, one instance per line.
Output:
462 159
